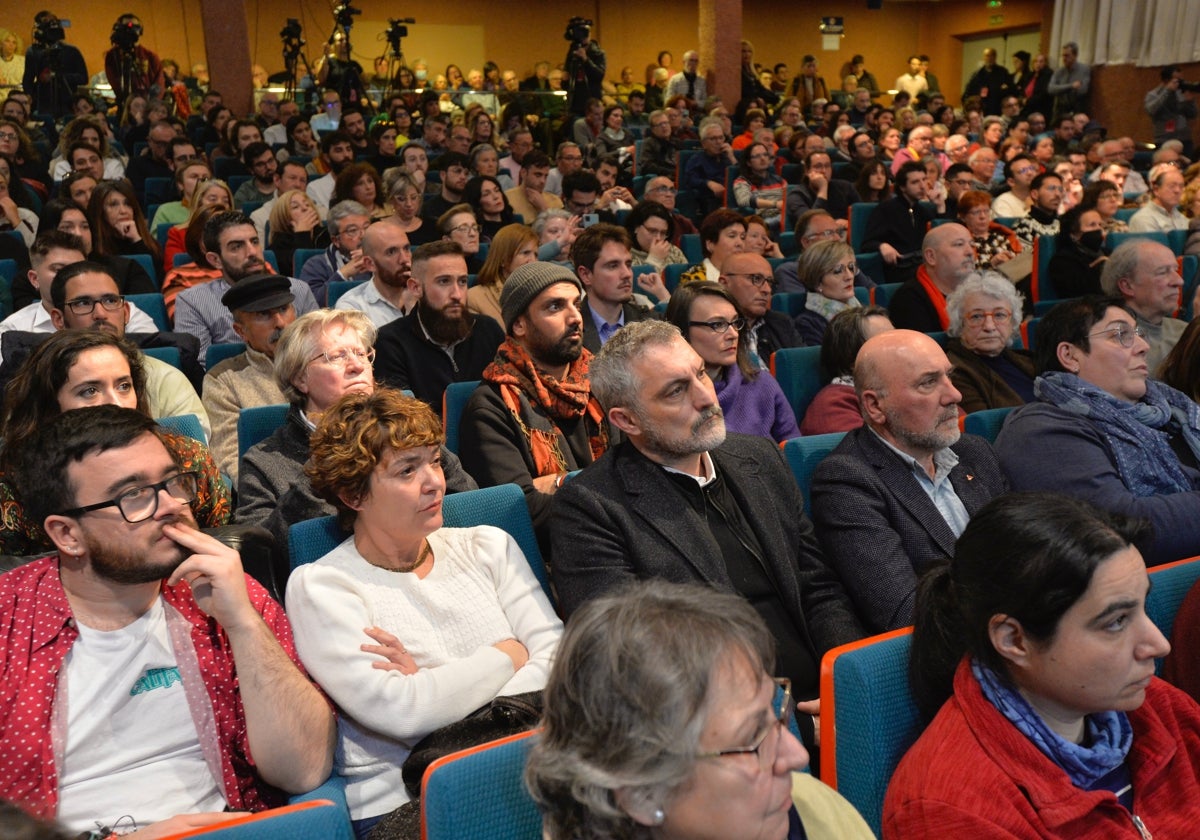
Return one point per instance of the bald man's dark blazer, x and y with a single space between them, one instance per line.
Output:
879 528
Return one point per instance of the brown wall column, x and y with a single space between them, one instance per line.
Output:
227 42
720 48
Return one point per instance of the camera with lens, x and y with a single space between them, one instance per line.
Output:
125 33
292 31
579 32
344 13
48 31
1190 87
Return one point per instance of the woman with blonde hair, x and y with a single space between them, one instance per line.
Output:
12 59
295 223
211 193
827 270
512 246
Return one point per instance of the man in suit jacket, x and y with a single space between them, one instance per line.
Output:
604 264
682 501
895 494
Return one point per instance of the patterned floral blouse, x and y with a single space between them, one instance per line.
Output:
21 537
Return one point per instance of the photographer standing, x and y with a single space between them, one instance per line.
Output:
584 67
1170 105
53 68
131 69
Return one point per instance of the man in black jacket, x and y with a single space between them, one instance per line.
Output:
439 342
897 226
681 500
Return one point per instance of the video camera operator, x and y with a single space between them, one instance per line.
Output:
336 69
132 69
584 66
1170 106
53 68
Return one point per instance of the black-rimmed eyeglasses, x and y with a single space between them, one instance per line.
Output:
141 503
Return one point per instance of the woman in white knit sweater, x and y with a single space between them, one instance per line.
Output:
407 625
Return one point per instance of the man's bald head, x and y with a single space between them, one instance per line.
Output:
748 277
949 255
902 379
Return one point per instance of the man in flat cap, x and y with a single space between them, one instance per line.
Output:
533 419
261 305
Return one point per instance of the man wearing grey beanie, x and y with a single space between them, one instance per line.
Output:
533 418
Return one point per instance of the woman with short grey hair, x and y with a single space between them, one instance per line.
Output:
662 719
984 312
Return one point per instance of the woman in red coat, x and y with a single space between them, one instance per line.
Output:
1035 643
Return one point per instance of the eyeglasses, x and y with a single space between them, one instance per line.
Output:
832 233
848 268
719 325
8 135
1122 333
999 317
466 228
785 712
655 231
757 280
664 190
141 503
340 358
87 305
353 231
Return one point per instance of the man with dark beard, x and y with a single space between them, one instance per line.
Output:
187 700
534 419
439 342
231 244
262 305
896 494
386 296
683 501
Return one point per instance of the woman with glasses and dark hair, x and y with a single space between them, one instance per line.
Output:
74 369
709 318
827 271
1102 430
454 617
663 721
757 186
1034 656
989 372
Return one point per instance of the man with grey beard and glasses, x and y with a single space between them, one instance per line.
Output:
896 493
262 306
682 500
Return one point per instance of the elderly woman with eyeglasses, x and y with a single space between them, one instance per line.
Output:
753 403
827 271
989 372
663 721
321 357
1103 430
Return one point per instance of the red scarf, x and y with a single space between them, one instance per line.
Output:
936 297
559 399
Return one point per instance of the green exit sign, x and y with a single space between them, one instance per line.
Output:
996 20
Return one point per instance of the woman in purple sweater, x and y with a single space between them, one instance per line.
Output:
709 318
